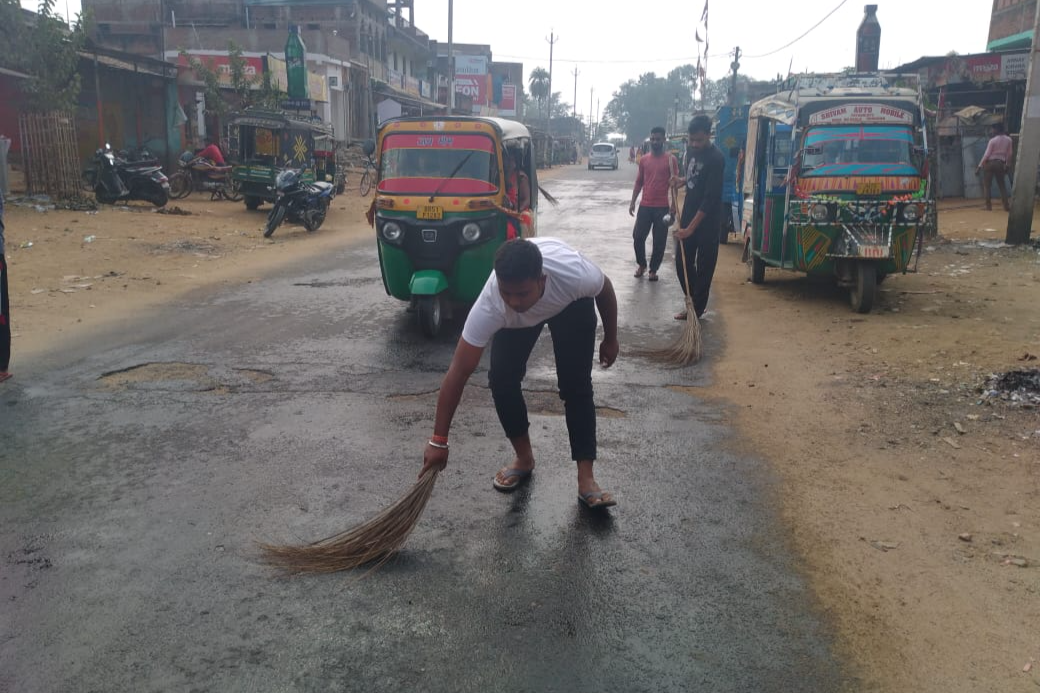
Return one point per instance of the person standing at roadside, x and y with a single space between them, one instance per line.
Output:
657 208
701 220
5 304
994 164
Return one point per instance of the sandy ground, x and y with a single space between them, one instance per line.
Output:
914 503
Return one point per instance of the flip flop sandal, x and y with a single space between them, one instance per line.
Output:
521 475
5 375
653 277
587 498
639 272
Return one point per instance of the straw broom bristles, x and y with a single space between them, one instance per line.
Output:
372 542
687 348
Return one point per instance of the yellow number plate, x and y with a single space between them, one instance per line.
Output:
872 188
430 212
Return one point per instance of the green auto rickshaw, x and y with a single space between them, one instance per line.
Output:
445 201
262 143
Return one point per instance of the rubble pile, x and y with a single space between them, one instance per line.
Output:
1020 388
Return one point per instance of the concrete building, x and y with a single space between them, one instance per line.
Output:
364 49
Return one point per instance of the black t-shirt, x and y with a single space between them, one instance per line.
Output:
704 172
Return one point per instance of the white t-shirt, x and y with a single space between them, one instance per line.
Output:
569 277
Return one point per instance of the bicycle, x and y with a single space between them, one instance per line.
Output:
367 177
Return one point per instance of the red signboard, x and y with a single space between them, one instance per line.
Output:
507 106
984 68
473 86
221 64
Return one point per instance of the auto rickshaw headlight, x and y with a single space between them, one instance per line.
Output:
471 232
911 213
392 231
819 213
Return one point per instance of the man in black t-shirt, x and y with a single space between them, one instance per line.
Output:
701 219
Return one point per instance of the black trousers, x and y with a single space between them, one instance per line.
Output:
574 342
647 218
702 254
5 318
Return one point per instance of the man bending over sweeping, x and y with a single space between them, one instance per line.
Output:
536 282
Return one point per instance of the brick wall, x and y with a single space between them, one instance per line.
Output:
1011 17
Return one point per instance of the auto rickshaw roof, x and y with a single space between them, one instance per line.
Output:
823 90
276 120
506 129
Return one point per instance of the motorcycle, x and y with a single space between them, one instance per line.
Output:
116 179
298 201
199 173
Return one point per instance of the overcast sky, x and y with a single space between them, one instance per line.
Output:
609 46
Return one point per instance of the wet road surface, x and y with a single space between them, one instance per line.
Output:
136 472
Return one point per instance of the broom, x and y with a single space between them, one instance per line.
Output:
687 348
372 542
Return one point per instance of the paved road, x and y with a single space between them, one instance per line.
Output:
137 470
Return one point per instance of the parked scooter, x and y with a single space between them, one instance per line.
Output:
199 173
298 201
116 179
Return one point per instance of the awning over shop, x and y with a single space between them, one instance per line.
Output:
405 97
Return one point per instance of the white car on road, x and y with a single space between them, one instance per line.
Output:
603 155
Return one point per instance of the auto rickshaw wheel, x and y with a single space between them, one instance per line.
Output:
430 314
864 290
756 268
252 203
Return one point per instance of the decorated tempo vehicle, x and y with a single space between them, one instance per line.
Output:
836 180
449 194
264 143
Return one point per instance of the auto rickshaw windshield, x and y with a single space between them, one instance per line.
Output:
868 150
417 164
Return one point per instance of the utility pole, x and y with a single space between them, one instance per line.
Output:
548 111
592 90
735 65
1020 221
574 112
451 59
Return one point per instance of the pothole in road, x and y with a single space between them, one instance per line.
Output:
361 281
181 377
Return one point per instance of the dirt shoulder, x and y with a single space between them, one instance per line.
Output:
914 501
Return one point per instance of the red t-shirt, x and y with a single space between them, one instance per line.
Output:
654 176
212 152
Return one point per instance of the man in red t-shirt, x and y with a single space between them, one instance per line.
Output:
654 181
212 152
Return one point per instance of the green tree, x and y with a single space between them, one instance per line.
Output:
248 90
560 108
538 81
47 50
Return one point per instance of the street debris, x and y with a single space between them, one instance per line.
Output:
951 442
173 209
1018 388
883 546
966 537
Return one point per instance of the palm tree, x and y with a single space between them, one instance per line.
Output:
539 84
